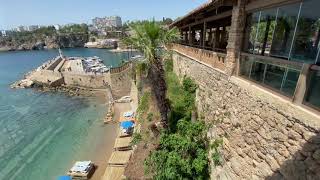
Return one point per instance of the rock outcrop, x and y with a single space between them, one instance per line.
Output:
24 83
39 43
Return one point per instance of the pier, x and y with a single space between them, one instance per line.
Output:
80 72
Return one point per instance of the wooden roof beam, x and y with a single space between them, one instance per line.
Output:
212 18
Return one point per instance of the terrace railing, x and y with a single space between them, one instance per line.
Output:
121 68
210 58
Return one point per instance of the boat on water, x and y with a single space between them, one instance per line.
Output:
82 170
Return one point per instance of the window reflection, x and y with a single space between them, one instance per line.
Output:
290 82
284 31
281 79
313 95
257 71
252 24
278 32
274 76
308 32
265 32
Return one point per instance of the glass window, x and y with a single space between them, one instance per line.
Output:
313 95
257 71
290 82
282 79
265 32
308 33
274 76
284 30
252 25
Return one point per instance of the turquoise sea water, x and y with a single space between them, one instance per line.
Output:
42 134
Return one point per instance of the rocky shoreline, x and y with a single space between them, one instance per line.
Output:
41 87
52 42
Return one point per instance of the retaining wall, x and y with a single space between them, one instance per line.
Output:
265 136
121 81
89 81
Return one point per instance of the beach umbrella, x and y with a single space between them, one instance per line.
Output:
126 124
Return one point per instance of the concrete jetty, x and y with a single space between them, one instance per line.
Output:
89 72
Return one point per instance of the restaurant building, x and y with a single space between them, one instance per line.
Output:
257 59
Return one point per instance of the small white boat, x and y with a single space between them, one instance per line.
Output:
82 170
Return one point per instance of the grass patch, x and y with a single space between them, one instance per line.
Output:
144 103
150 116
181 97
136 138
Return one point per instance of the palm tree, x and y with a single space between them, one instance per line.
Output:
149 37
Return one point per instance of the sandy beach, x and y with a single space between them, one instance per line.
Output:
104 150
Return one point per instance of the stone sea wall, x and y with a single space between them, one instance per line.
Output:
264 136
121 80
89 81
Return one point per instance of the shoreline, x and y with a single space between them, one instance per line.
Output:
104 135
101 137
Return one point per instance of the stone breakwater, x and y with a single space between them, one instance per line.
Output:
264 136
53 75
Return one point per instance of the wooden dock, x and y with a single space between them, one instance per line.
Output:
114 173
122 144
119 158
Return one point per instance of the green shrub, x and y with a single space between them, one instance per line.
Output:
150 116
136 138
181 155
189 85
216 156
168 65
141 68
181 97
144 102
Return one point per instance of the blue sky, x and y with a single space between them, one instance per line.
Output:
45 12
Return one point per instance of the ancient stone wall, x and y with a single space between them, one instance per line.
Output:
264 135
45 76
89 81
121 82
54 64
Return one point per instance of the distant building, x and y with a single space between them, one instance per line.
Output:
21 28
69 24
3 33
57 27
107 22
33 27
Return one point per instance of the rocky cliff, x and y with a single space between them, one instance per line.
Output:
38 43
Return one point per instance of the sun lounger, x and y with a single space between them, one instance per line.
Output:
114 173
122 144
119 158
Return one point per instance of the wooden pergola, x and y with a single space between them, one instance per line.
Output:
207 27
